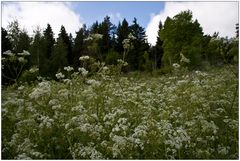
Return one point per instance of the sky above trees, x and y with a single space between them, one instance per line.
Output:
212 16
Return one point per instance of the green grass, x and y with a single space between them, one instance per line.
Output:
182 115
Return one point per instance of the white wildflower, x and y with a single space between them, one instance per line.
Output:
21 59
63 92
43 89
126 43
68 68
93 82
176 65
9 53
60 75
84 58
67 81
83 71
131 37
33 70
53 102
24 53
23 156
97 36
21 87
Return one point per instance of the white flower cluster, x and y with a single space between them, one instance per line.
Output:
126 43
93 82
97 36
83 71
24 53
176 65
68 68
9 53
82 58
120 61
33 70
60 75
46 122
21 60
43 89
81 151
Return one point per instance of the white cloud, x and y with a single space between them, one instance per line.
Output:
33 14
212 16
115 17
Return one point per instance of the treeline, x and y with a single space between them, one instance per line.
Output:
180 40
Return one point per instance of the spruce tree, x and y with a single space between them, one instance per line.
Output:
105 29
59 56
80 46
157 56
38 50
135 57
122 33
66 40
49 40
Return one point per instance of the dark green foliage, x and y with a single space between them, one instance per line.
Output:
49 40
39 52
158 53
13 34
122 33
24 42
181 35
112 57
105 29
135 57
59 57
94 28
80 45
6 44
66 40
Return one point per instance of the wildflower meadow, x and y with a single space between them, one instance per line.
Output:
110 115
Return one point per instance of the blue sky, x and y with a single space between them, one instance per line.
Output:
213 16
92 11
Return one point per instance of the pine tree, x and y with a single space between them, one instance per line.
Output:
80 46
49 40
94 28
59 56
38 53
159 48
135 58
23 42
122 33
105 29
64 36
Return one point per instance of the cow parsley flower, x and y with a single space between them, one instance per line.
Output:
68 68
83 71
60 75
93 82
176 65
24 53
43 89
21 59
33 70
9 53
82 58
